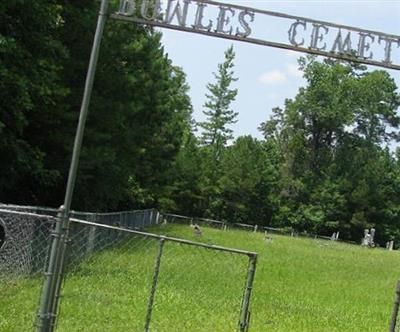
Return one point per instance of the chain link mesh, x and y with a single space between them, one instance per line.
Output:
27 229
108 280
112 271
199 289
22 259
24 252
110 276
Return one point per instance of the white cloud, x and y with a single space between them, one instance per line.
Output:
272 77
293 70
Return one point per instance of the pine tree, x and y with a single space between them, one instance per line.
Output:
216 132
219 114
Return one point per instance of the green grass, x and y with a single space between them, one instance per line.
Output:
300 285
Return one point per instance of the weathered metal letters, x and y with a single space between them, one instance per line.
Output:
238 23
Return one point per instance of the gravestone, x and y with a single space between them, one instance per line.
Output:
197 230
267 238
372 232
368 239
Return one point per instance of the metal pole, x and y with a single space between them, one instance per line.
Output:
154 285
395 311
245 314
57 287
45 315
53 275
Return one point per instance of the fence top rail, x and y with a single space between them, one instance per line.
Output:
117 212
244 225
211 220
192 218
176 215
167 238
41 208
25 207
23 213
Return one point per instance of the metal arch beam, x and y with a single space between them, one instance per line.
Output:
348 55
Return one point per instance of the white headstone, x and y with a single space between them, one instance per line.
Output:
367 238
372 232
197 230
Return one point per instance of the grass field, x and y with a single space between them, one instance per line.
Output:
300 285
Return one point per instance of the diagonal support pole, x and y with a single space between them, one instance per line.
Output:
245 313
53 275
154 285
395 311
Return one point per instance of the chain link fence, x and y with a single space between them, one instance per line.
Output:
25 244
123 279
133 219
24 233
179 219
268 231
22 259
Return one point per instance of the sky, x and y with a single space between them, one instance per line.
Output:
266 75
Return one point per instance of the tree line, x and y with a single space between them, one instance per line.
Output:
139 109
324 164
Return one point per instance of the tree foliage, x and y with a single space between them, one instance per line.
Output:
218 105
326 162
138 112
335 170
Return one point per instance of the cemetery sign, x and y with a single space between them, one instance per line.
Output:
256 26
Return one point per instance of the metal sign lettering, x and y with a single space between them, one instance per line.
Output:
255 26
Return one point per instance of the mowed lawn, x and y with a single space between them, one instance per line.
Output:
300 285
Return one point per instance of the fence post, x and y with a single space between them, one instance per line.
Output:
60 271
395 311
91 235
154 285
244 311
45 314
